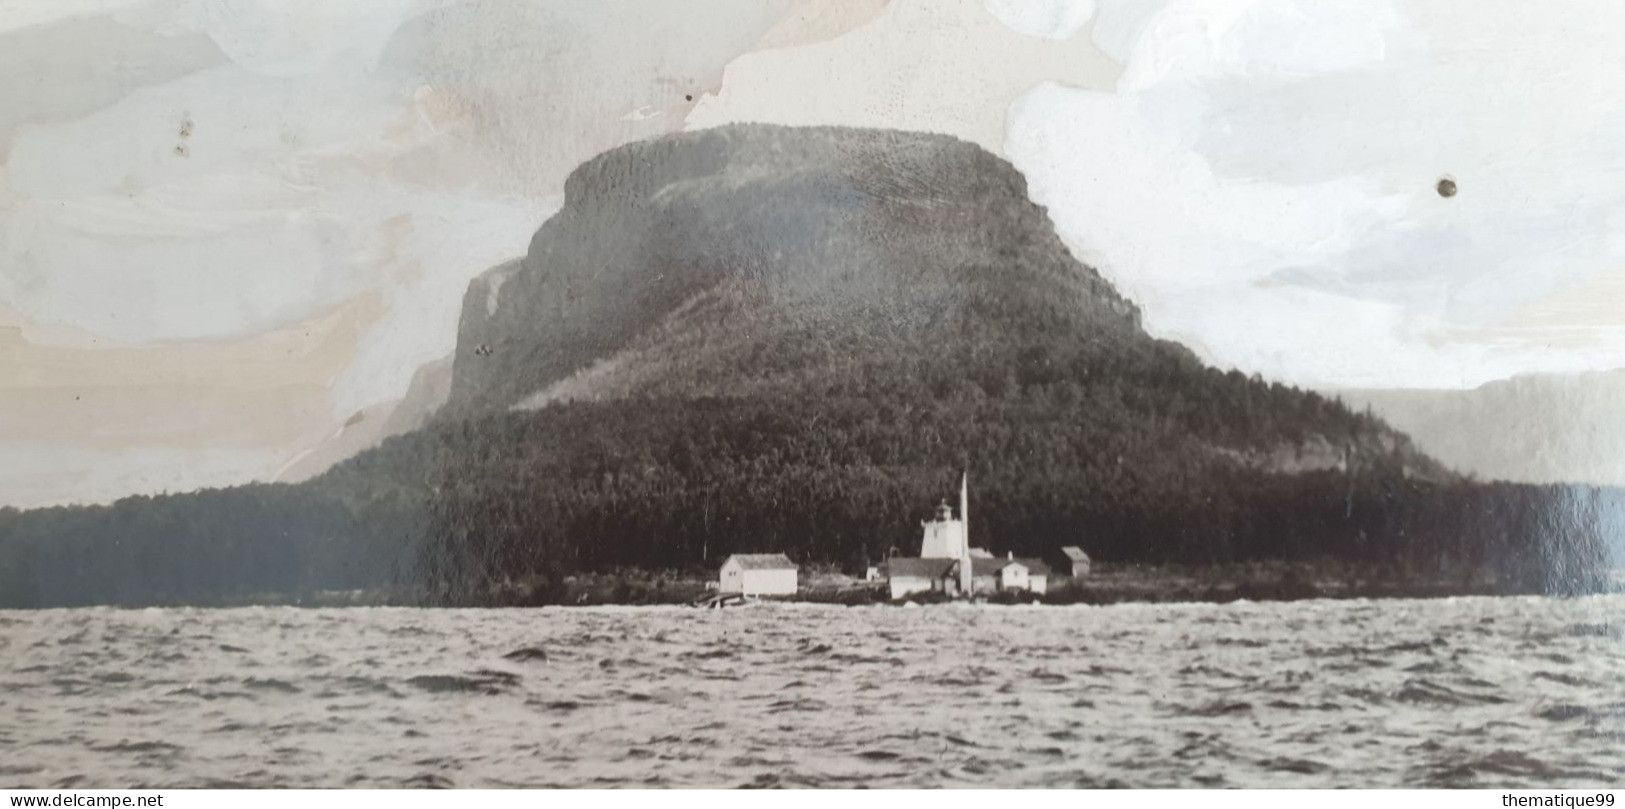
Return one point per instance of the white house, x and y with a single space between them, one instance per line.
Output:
906 576
1009 575
758 574
1034 575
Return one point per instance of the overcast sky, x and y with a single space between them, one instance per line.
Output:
227 225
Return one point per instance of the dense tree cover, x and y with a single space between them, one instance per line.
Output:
449 512
240 544
672 485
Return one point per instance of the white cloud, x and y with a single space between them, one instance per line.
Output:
929 65
263 213
1262 160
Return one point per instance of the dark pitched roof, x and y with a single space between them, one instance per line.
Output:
1035 566
1075 553
914 567
761 561
989 567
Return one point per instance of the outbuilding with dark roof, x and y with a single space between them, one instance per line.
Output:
1077 561
767 574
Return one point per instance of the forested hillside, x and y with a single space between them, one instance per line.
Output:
766 338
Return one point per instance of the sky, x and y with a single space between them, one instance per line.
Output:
226 226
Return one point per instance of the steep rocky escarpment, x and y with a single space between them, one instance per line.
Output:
757 260
707 251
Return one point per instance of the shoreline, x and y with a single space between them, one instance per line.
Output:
1111 584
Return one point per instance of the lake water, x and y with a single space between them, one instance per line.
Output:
1458 692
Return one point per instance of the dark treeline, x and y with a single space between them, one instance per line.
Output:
240 545
452 514
654 483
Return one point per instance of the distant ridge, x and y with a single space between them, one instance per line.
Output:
1546 428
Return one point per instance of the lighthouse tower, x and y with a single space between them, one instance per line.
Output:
966 567
944 536
949 538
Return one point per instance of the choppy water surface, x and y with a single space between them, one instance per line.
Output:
1465 692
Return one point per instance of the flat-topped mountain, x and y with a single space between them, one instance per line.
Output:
755 260
773 339
727 260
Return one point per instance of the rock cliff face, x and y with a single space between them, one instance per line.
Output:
723 260
758 261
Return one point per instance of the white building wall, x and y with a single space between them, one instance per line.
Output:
1038 584
768 582
908 585
1013 577
730 579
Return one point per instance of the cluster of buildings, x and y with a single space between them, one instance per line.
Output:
947 564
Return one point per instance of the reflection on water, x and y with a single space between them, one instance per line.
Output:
1461 692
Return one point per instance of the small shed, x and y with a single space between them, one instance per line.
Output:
758 574
1010 574
1077 561
1037 574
